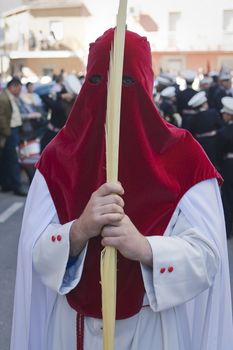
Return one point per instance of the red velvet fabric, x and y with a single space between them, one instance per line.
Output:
158 163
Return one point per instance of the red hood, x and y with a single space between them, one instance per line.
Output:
158 163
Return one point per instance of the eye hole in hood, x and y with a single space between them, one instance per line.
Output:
95 79
126 80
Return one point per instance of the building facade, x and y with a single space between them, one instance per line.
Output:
47 36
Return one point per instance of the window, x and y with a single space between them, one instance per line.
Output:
174 20
47 71
172 64
228 20
225 62
56 27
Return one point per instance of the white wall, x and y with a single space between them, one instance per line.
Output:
201 25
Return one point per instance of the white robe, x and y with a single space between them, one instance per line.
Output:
189 307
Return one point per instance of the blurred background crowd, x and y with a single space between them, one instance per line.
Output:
31 114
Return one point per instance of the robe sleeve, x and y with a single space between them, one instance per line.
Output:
51 256
185 261
51 259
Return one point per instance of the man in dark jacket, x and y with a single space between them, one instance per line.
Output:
10 123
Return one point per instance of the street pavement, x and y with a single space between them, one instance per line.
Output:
9 234
11 212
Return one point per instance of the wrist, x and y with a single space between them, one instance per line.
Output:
78 238
146 255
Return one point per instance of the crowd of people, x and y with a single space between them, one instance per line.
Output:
30 116
39 112
208 114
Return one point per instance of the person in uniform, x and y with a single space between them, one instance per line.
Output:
160 84
204 125
224 89
167 106
205 84
185 95
225 145
164 218
213 88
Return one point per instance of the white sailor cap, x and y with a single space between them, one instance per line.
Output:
189 75
167 75
197 100
213 73
168 92
206 81
227 103
224 76
162 80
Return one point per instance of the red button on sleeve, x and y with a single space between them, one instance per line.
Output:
162 270
170 268
53 238
59 238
